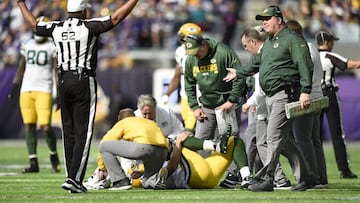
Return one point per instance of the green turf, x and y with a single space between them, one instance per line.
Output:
45 186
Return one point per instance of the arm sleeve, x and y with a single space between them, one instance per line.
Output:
190 85
258 94
239 83
251 67
337 60
45 28
100 25
301 56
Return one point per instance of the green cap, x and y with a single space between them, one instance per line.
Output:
193 44
269 12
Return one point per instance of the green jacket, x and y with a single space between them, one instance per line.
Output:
208 74
284 58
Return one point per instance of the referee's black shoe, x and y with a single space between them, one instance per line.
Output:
73 187
347 174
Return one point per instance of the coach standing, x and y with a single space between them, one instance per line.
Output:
76 40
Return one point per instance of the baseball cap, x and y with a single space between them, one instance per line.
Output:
322 36
192 44
268 12
77 5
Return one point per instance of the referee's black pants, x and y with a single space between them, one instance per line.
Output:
334 117
78 103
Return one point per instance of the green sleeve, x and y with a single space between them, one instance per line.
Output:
302 59
190 85
250 68
239 84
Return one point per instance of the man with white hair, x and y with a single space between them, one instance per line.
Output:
76 40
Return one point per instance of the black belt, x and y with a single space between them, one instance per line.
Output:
291 89
329 87
80 74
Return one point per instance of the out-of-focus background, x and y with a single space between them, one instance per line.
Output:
137 56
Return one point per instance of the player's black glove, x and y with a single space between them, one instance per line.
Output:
14 88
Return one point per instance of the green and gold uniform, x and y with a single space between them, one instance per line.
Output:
208 74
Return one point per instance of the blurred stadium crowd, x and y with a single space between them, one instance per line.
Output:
154 23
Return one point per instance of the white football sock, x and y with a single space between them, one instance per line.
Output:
208 145
245 171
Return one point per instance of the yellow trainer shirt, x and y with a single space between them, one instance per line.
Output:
135 129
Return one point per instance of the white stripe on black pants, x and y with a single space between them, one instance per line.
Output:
78 105
334 117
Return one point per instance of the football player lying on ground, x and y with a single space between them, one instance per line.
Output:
187 169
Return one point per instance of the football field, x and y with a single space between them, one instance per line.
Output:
46 186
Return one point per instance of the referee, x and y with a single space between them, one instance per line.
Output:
330 61
76 40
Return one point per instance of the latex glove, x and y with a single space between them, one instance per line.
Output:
164 99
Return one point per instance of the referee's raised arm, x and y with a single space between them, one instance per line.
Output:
116 17
123 11
28 16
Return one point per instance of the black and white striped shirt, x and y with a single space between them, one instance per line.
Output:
330 61
76 40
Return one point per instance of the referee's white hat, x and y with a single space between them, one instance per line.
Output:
77 5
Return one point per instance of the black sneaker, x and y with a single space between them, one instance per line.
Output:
161 182
304 185
263 186
73 187
34 166
123 184
283 186
221 144
55 163
231 180
299 187
347 174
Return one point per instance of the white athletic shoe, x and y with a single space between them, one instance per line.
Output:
161 182
93 182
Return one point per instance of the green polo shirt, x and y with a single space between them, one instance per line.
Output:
285 58
208 74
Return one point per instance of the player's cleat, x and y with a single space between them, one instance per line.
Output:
55 163
161 183
347 174
231 180
222 144
248 180
123 184
73 187
34 166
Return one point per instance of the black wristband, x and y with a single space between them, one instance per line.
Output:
20 1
